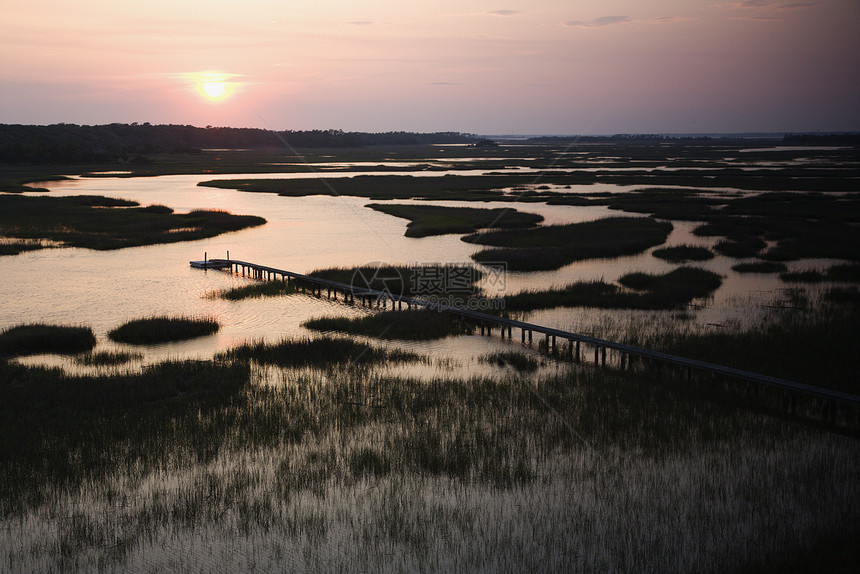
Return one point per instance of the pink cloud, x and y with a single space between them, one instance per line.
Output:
769 5
598 22
669 19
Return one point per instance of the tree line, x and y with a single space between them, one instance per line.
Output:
71 143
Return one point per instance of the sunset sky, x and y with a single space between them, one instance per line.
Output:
487 67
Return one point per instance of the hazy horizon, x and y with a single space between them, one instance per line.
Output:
542 67
763 135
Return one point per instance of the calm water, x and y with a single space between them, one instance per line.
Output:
105 289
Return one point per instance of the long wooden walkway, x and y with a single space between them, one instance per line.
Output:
576 344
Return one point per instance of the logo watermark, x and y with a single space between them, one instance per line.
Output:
460 285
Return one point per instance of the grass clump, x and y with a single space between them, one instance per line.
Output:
40 338
96 222
257 290
678 204
64 431
484 187
421 324
317 352
524 259
108 358
519 361
759 267
16 247
668 291
427 220
406 280
681 284
783 345
845 273
839 273
154 330
843 295
683 253
740 248
792 238
368 461
806 276
552 246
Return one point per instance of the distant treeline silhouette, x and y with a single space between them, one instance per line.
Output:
849 139
71 143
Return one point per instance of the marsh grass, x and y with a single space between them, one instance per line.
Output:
837 273
806 276
671 290
682 284
524 258
847 272
317 352
108 358
552 246
257 290
683 253
446 187
155 330
16 247
675 204
409 280
807 339
421 324
740 248
354 470
842 294
759 267
62 431
519 361
793 237
225 465
102 223
41 338
425 220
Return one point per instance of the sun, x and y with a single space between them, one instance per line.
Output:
214 86
214 90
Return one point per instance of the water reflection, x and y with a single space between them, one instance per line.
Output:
105 289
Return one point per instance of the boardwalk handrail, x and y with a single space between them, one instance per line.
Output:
783 384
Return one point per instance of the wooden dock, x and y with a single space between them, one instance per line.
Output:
209 264
577 347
